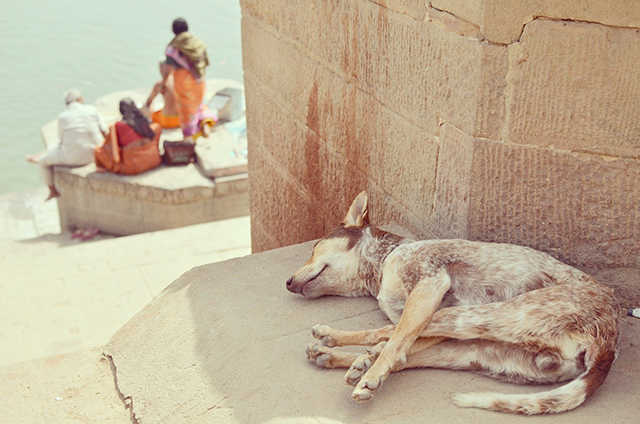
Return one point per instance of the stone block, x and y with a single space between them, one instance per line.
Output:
453 182
297 151
223 153
580 208
324 181
166 197
321 209
280 205
397 59
573 86
502 21
455 24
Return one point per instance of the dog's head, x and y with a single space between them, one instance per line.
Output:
333 267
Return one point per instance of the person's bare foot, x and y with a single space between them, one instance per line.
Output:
206 130
53 193
32 158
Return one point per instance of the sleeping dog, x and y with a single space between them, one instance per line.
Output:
506 311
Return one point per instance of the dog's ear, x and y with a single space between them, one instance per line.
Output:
358 213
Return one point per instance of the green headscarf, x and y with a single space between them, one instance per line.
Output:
194 49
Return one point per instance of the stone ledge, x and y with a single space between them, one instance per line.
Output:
170 185
163 198
214 188
226 340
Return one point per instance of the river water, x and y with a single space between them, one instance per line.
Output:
99 47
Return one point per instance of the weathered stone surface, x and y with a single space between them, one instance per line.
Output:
418 69
407 109
580 208
328 180
352 122
623 280
501 21
573 86
451 205
223 153
261 239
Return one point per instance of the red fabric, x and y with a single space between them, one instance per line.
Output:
126 134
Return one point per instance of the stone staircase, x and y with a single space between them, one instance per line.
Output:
59 294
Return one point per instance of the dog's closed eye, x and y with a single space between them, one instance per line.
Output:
321 271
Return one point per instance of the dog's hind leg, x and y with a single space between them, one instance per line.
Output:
504 361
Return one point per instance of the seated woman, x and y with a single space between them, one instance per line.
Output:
134 125
131 147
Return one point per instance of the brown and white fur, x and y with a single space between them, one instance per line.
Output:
507 311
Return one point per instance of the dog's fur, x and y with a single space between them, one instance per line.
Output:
507 311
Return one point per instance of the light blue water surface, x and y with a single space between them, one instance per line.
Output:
47 47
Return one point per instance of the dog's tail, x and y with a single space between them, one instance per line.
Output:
561 399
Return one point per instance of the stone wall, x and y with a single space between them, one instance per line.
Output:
495 120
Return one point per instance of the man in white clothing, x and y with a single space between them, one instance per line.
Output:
80 129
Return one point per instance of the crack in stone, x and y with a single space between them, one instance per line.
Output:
452 23
127 401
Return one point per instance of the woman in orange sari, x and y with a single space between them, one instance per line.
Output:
187 58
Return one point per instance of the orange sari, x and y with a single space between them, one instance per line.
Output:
189 94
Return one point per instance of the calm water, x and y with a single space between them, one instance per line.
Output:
99 47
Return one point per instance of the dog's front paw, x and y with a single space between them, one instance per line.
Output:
359 367
319 355
365 388
323 333
362 364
